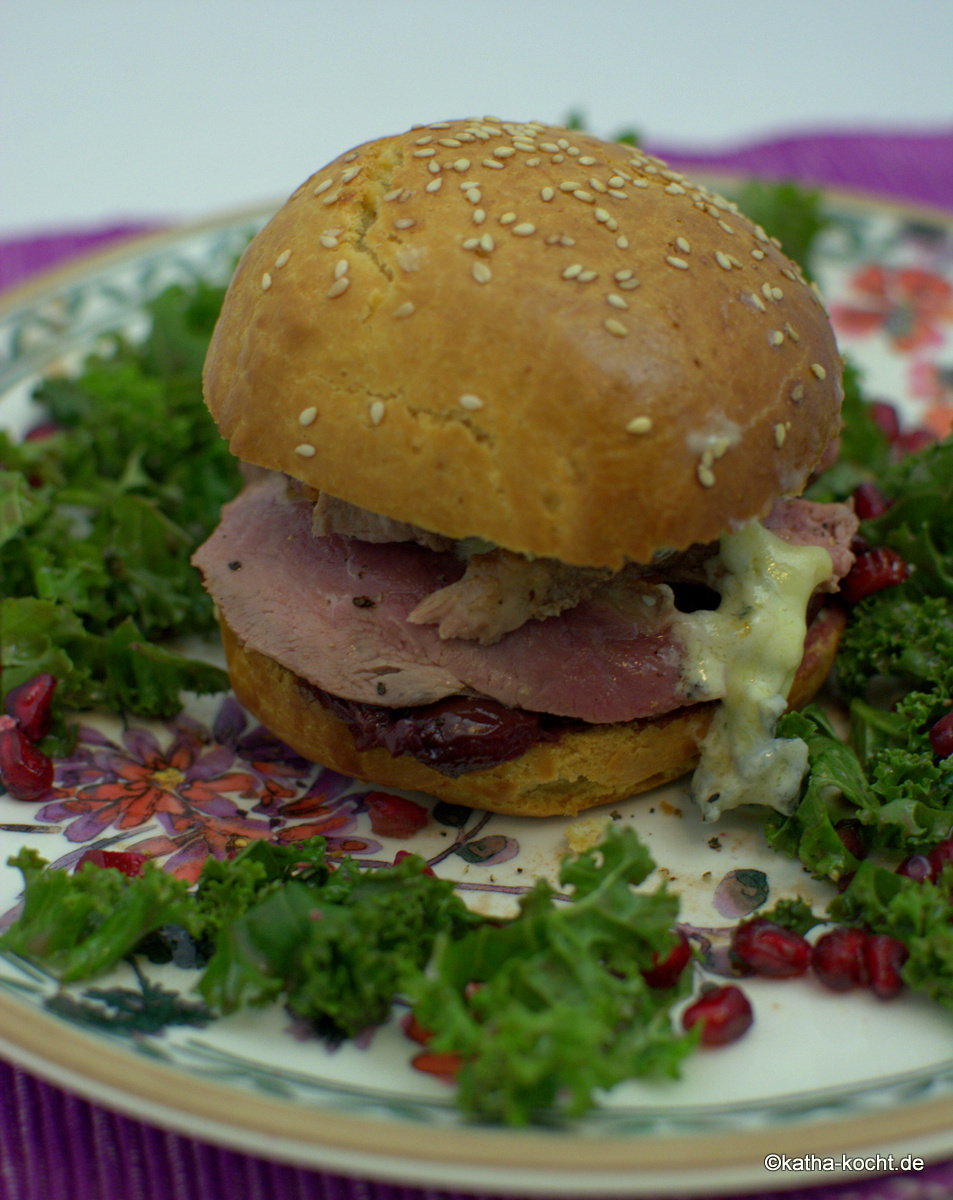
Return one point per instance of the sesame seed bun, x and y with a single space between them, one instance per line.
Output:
588 766
528 335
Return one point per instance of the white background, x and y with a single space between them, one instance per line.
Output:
141 109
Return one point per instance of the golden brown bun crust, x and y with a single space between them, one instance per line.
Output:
408 277
600 764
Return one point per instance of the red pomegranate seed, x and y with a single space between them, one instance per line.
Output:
724 1014
770 949
445 1065
395 816
883 957
940 856
914 440
941 736
869 501
26 771
126 861
886 418
838 959
31 705
850 832
873 570
916 866
665 974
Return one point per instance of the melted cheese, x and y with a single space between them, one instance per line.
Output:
747 653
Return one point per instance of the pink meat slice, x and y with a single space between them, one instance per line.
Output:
334 611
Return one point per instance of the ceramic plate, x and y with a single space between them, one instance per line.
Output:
819 1074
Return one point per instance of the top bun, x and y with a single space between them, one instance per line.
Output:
525 334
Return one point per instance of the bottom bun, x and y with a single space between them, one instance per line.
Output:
594 764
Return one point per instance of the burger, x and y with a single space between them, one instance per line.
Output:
527 417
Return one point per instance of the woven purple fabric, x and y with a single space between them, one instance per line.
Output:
55 1146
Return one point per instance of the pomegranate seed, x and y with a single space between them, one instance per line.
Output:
126 861
26 771
770 949
913 440
873 570
883 957
940 856
916 866
665 974
886 418
445 1066
395 816
31 705
941 736
869 501
850 833
414 1030
724 1014
838 959
39 433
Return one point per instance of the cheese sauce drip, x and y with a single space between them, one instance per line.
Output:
747 651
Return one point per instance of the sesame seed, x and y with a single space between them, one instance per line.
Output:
584 196
341 268
493 164
760 234
602 215
450 143
776 337
305 450
678 263
587 161
429 152
757 301
573 151
723 260
470 402
350 156
434 185
547 194
792 333
339 287
404 310
684 245
566 240
818 370
487 243
439 125
616 301
797 393
640 183
308 415
462 164
587 276
533 162
618 195
377 411
572 271
434 167
569 185
424 141
328 241
524 229
350 173
777 294
471 243
639 425
265 282
282 259
504 152
322 187
529 147
388 196
479 216
758 254
675 189
332 198
597 185
780 433
622 242
625 273
725 226
405 223
549 147
508 218
706 476
629 285
481 272
474 195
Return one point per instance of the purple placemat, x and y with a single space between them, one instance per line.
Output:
54 1145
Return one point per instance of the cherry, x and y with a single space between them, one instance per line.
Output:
26 770
770 949
873 570
31 705
724 1014
838 959
665 974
